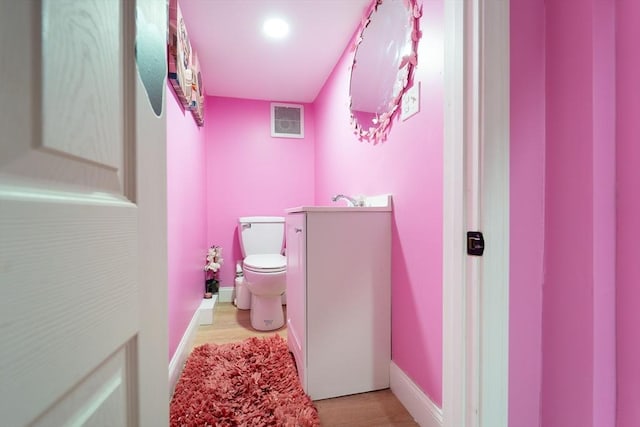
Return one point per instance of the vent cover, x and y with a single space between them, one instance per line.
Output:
287 120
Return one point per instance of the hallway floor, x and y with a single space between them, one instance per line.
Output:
380 408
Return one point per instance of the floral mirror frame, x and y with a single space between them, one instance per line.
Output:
369 125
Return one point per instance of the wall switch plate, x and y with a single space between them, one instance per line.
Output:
410 102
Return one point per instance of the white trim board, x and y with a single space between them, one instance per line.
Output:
476 197
182 352
422 409
493 303
454 331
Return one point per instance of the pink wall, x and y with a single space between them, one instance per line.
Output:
185 216
628 212
567 376
578 367
590 351
250 173
604 213
408 165
527 156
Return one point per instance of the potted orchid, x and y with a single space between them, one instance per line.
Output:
211 268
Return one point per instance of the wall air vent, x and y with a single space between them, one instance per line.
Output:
287 120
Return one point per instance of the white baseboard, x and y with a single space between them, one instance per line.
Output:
422 409
182 352
225 293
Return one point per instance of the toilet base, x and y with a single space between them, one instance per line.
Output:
266 312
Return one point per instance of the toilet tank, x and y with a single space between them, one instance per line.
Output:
261 235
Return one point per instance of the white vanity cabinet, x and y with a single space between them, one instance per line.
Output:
338 298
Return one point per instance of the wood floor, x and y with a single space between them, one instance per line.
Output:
380 408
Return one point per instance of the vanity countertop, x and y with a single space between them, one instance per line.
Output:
379 203
339 209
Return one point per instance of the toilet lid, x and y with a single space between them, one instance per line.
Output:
265 262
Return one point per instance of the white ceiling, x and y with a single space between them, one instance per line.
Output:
238 61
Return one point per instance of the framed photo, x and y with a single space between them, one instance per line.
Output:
196 100
184 68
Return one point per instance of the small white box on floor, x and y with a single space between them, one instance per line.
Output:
207 307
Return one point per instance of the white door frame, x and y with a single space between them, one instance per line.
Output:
476 197
151 198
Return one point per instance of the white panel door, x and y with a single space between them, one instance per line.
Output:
69 241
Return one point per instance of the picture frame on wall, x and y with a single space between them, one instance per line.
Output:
184 68
196 100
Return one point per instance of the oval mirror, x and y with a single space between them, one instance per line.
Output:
382 66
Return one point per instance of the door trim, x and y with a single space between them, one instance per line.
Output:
454 223
493 305
476 195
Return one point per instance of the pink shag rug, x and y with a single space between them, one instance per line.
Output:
251 383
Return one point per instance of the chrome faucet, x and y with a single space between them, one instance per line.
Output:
351 200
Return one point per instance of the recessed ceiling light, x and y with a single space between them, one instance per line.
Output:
275 28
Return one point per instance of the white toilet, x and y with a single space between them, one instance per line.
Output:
264 267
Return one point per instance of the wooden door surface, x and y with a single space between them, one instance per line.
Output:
70 306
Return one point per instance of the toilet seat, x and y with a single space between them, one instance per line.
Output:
265 263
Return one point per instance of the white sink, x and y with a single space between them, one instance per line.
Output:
381 203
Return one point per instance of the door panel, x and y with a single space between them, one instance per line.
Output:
101 399
69 292
64 124
69 309
83 102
